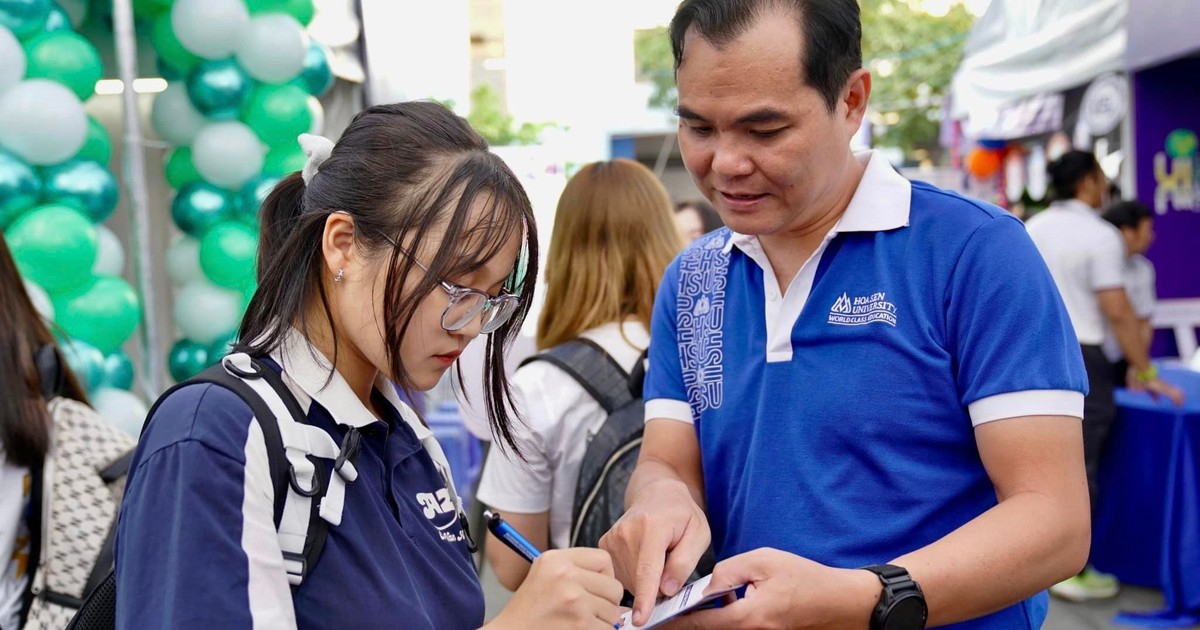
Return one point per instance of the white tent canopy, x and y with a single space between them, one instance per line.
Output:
1023 48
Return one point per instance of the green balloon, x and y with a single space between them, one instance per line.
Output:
278 113
170 51
252 195
25 18
187 359
199 206
83 184
316 77
227 254
284 160
103 313
147 9
181 171
57 20
65 57
219 88
302 10
98 146
85 360
169 72
20 187
54 246
118 371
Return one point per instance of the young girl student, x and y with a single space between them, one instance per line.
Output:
378 264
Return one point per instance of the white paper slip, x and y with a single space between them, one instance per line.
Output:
688 598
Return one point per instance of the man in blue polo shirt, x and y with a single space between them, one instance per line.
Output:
860 372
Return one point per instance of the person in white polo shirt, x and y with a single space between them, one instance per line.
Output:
1086 257
846 395
1136 224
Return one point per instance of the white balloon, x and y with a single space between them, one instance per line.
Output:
12 60
110 254
183 260
205 312
124 410
273 48
318 116
174 117
210 28
227 154
41 300
42 121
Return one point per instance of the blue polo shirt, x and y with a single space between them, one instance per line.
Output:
836 419
196 544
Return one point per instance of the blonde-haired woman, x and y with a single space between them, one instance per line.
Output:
614 235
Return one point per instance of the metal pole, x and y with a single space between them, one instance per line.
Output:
135 184
664 154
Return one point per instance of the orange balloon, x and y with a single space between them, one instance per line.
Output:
983 163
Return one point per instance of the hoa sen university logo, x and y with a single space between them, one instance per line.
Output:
863 310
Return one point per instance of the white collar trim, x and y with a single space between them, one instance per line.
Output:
882 202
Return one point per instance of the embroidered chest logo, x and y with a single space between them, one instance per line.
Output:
439 509
863 310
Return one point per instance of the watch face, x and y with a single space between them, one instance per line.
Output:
907 613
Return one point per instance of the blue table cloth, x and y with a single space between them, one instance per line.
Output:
1147 524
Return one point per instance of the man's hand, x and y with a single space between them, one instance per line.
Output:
784 590
657 543
1155 387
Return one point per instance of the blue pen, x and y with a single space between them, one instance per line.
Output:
510 536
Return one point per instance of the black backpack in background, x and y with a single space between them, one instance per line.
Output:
612 452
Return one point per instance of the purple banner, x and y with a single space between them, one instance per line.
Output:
1167 125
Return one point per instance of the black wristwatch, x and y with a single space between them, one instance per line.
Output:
902 604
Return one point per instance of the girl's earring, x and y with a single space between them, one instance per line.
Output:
338 277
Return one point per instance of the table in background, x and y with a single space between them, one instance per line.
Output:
1146 529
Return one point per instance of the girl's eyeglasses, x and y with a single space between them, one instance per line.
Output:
467 304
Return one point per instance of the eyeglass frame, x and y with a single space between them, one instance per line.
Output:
458 292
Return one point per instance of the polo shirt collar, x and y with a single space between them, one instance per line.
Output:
882 202
312 372
1078 207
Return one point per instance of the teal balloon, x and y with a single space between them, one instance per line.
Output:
220 348
169 72
199 206
118 371
252 195
103 313
284 160
65 57
227 253
83 184
85 360
25 17
98 146
317 76
187 359
219 88
180 169
54 246
57 20
20 187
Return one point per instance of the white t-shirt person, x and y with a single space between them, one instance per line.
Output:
1140 281
559 415
14 541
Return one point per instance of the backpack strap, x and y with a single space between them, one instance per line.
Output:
594 369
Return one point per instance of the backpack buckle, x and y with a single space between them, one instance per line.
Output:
348 453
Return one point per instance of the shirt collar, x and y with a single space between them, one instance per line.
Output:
1077 206
881 202
312 372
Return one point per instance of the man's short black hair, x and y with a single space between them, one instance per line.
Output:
832 32
1067 171
1128 214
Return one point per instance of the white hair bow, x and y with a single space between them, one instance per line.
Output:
318 149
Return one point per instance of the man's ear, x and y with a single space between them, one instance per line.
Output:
855 97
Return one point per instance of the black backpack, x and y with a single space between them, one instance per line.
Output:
99 610
612 453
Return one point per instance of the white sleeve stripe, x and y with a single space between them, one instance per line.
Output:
267 588
669 410
1037 402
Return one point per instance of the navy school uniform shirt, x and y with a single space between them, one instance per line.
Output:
836 420
196 543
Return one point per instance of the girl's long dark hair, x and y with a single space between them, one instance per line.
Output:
24 419
402 171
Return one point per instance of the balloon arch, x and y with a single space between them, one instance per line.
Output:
243 78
